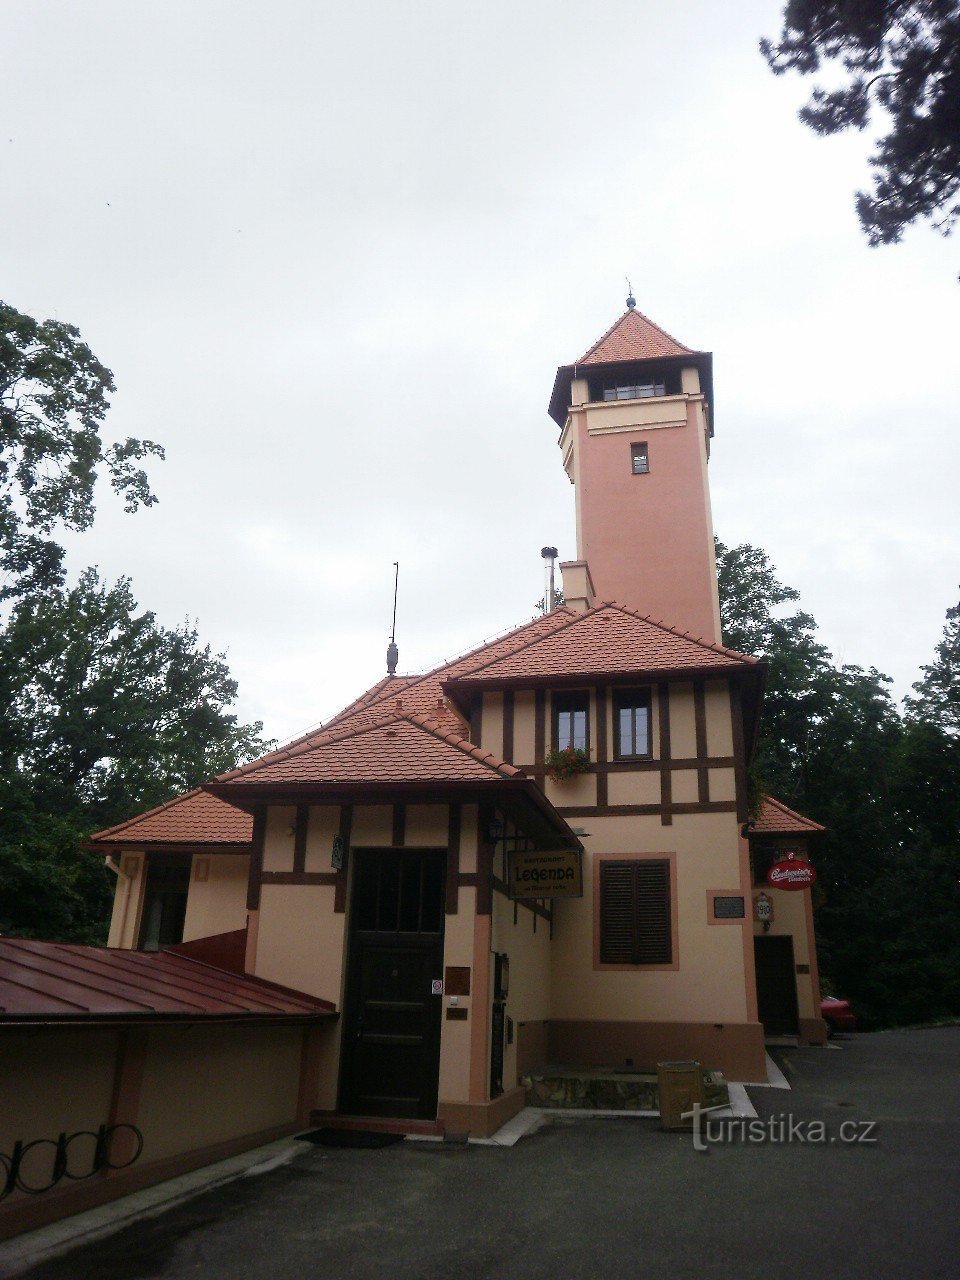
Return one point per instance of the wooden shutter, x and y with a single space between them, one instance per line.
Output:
635 918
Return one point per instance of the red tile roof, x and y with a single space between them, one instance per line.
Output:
609 640
633 337
775 818
196 818
398 747
63 982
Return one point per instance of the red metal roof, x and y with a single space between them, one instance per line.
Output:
775 818
68 983
196 818
633 337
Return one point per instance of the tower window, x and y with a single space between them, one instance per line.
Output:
638 391
639 459
631 722
571 715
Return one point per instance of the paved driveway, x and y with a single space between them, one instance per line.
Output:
604 1199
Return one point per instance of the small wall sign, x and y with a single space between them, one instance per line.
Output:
763 909
791 873
546 874
436 987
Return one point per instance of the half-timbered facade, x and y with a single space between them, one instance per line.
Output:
423 863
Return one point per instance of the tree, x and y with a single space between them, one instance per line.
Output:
53 399
106 713
899 60
103 712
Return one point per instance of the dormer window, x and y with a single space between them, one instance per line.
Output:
638 391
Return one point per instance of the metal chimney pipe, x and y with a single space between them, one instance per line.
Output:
549 555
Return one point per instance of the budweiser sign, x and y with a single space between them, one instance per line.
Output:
791 873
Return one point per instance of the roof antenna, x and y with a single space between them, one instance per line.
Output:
393 653
631 300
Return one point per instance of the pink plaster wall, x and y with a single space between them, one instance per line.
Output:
648 539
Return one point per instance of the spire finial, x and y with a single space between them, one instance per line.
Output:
631 300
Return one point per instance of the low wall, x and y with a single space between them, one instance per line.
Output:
197 1093
736 1049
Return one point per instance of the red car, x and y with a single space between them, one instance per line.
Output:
838 1014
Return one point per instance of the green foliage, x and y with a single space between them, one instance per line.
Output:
53 399
833 745
566 763
104 712
900 66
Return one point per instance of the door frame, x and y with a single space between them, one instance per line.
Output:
783 940
353 947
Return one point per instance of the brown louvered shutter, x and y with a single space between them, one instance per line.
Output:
635 919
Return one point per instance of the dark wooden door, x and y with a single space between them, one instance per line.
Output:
391 1051
776 985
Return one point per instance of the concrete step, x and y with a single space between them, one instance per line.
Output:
377 1124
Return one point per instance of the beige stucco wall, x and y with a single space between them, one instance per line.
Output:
204 1085
719 720
708 985
37 1100
683 726
455 1036
300 940
527 943
217 898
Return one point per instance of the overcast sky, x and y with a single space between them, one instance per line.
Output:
334 254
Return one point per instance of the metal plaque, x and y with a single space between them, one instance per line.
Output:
728 908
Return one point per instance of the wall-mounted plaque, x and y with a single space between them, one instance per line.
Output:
728 907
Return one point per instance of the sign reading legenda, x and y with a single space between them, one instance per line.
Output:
553 873
791 873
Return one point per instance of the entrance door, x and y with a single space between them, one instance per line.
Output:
391 1048
776 985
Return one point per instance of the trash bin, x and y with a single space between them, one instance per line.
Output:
680 1085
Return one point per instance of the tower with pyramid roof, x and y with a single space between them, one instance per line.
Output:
636 420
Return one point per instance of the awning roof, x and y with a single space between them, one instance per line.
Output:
69 984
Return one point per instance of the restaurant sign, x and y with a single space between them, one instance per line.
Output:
791 873
553 873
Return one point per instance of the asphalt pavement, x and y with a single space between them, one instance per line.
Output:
853 1173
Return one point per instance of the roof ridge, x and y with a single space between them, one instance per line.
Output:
464 744
138 817
575 616
320 738
619 321
381 691
678 631
486 644
417 719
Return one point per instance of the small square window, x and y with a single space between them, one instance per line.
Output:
639 459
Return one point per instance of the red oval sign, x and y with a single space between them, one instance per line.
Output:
791 873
